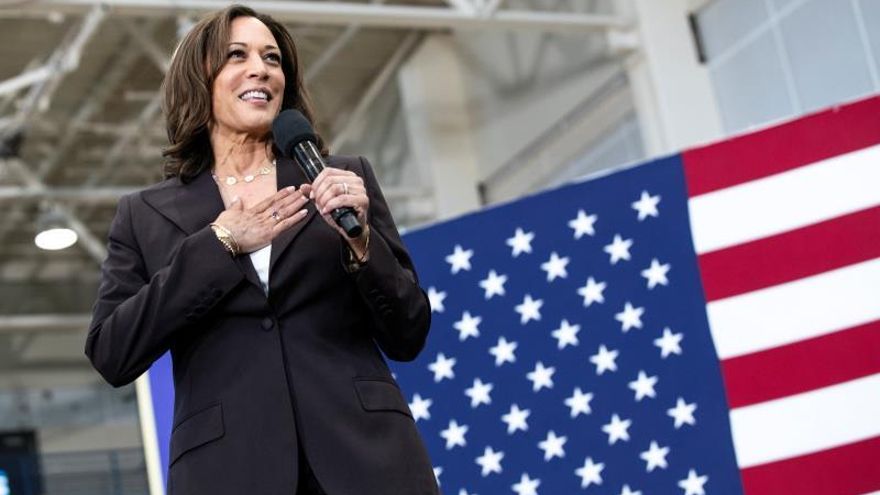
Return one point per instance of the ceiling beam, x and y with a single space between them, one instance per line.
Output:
63 60
102 88
344 13
44 323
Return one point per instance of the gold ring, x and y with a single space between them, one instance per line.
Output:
345 188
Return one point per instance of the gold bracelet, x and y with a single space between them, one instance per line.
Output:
226 238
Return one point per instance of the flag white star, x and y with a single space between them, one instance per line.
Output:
646 205
669 343
579 402
526 485
503 351
493 284
529 309
465 492
490 461
442 367
693 484
630 317
467 326
626 490
583 224
479 393
592 292
420 408
618 249
438 470
460 259
435 299
541 377
555 267
590 472
643 386
656 274
604 360
617 429
655 457
454 435
516 419
552 446
566 334
521 242
683 413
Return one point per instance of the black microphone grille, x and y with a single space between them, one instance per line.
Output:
291 128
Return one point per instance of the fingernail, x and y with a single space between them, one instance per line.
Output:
311 194
291 188
235 199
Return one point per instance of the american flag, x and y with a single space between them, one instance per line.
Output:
707 322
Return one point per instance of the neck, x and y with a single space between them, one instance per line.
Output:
239 155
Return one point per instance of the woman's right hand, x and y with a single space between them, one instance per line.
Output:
255 227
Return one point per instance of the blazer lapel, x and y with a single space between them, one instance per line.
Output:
289 174
192 207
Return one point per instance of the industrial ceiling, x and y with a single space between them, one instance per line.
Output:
81 124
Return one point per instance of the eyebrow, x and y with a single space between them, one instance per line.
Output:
266 47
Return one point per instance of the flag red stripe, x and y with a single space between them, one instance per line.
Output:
807 140
849 469
802 366
799 253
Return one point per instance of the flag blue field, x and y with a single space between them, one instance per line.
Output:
569 346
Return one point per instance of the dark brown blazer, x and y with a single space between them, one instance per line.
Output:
258 377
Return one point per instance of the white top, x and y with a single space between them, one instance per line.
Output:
260 258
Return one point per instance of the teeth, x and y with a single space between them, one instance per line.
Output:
250 95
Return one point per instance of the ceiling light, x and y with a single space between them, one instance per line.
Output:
53 233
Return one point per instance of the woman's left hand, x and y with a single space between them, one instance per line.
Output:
336 188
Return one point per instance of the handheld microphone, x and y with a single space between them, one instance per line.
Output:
295 138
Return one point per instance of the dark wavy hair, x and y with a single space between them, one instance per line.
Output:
187 89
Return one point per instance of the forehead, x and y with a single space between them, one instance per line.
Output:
250 30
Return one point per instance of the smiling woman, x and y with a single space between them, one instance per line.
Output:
280 382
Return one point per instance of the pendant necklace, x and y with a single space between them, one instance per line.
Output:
231 180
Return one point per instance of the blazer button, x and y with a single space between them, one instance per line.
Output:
267 323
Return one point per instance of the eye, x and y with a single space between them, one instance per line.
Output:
273 57
236 53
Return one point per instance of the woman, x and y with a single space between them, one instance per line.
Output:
274 318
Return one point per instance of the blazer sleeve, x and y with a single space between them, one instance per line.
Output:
388 282
135 318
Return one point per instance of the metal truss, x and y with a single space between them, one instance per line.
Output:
462 14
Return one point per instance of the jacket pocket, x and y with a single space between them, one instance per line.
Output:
196 430
378 394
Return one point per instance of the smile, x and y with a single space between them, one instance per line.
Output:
255 95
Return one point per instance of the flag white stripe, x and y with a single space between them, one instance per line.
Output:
805 423
786 201
797 310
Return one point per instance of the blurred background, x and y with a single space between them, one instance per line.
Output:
457 103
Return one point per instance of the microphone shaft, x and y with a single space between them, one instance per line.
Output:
310 161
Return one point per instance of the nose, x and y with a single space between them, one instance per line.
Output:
257 68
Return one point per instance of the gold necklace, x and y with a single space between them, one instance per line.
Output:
232 180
